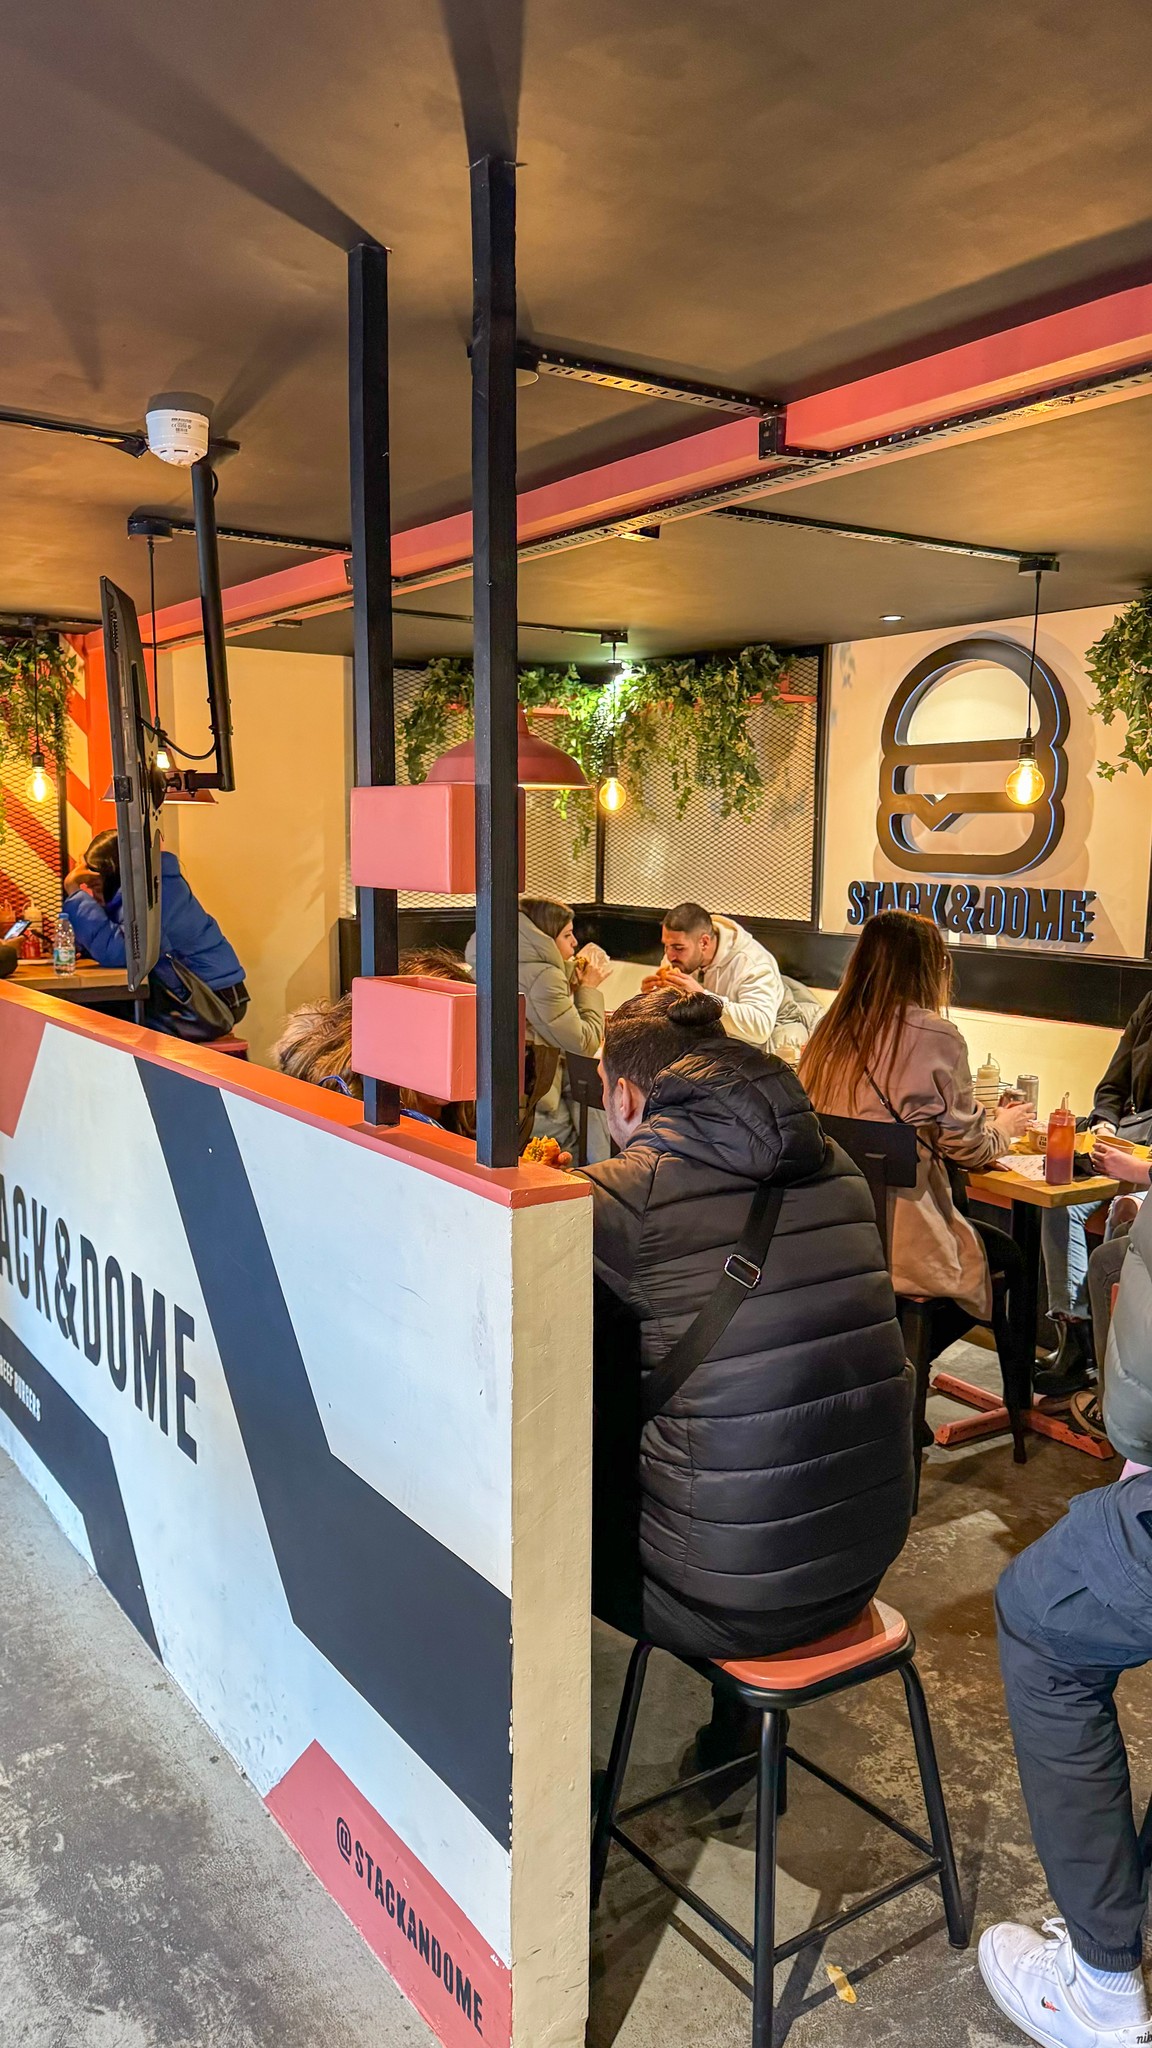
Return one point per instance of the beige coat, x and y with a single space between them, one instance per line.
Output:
934 1250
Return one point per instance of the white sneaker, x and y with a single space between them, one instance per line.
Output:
1034 1984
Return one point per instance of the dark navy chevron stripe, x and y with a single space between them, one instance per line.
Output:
79 1457
422 1636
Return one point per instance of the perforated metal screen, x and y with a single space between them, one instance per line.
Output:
554 865
749 867
29 848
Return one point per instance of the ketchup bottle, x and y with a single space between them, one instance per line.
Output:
1061 1146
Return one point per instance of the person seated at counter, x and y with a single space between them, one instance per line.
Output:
316 1045
762 1505
716 953
1122 1103
196 989
885 1052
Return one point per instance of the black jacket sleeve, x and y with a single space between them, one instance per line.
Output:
620 1191
1114 1094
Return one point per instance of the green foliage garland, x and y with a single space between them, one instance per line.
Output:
696 711
1120 667
36 675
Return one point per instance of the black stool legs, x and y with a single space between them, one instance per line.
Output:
617 1765
936 1809
769 1785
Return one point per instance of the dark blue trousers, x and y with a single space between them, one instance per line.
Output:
1074 1611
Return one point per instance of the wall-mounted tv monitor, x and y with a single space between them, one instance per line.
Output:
137 783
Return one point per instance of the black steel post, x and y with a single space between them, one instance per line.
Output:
494 606
600 849
375 729
212 614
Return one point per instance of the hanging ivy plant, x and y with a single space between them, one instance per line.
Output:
37 673
1120 667
695 712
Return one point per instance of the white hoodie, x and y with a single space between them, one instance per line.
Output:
747 980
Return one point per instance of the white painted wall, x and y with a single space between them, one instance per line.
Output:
270 860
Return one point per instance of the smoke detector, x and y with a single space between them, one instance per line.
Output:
177 424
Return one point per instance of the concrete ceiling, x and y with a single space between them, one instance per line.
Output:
755 193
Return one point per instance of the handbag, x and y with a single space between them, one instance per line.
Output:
202 1014
742 1270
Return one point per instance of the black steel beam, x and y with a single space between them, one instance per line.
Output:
553 362
164 525
755 515
212 614
494 657
375 726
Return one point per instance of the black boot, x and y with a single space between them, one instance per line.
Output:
1072 1365
733 1731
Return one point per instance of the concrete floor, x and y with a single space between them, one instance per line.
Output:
654 1980
147 1900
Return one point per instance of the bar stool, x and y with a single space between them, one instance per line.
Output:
878 1643
236 1048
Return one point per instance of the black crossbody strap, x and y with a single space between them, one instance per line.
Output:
742 1270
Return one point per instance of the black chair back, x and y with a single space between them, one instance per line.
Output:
587 1092
886 1154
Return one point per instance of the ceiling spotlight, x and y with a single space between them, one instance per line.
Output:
891 618
525 375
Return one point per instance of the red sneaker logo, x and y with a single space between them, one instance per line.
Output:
1048 2005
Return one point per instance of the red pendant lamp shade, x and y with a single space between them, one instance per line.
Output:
538 764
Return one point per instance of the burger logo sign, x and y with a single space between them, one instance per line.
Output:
913 821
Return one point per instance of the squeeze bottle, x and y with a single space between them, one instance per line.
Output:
1061 1146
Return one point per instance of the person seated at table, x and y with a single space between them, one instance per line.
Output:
1124 1094
716 953
885 1052
1105 1266
761 1508
1073 1613
564 1007
194 953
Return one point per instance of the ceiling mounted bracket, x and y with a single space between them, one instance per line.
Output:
551 362
165 526
837 529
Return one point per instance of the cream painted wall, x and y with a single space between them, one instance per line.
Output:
1108 831
270 860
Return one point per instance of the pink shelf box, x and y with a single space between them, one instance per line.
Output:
421 836
418 1032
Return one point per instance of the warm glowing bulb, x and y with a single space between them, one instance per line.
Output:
163 758
1025 785
613 795
38 786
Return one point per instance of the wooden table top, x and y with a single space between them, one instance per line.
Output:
41 976
1018 1188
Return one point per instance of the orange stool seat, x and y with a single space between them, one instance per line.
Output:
877 1632
236 1048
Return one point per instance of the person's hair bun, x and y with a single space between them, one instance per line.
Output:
699 1012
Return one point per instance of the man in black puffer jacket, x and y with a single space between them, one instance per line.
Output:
769 1498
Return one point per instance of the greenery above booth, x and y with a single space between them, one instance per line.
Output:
693 712
1120 666
37 674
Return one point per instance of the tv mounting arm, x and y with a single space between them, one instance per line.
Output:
153 527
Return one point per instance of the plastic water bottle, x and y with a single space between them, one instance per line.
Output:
64 948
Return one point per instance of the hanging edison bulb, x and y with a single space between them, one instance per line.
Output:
1025 785
38 786
163 757
613 795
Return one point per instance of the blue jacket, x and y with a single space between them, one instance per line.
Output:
187 933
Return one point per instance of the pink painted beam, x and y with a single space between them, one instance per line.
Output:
1105 334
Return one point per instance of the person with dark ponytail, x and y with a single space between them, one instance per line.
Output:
760 1506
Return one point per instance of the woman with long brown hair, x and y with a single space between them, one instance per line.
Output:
886 1052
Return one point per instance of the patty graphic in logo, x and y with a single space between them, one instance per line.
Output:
901 804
